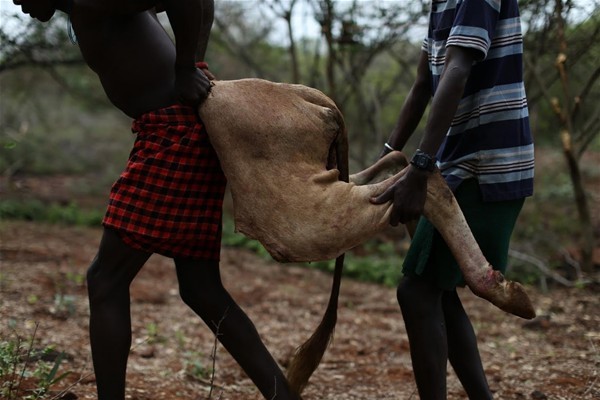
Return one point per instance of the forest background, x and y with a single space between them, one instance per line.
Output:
56 122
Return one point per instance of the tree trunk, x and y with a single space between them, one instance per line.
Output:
583 209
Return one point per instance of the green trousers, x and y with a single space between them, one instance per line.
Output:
492 224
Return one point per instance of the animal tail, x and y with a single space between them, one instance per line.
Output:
308 356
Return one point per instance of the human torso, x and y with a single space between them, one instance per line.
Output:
133 56
489 137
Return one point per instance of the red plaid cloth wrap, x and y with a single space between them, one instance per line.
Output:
169 198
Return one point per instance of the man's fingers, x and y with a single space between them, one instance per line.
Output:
208 74
382 198
394 218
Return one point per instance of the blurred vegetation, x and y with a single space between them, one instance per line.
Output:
56 121
29 373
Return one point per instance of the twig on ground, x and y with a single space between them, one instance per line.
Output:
541 265
275 394
213 354
412 394
27 356
573 263
66 390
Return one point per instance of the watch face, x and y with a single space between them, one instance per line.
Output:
423 161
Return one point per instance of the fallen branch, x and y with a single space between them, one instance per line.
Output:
541 265
213 355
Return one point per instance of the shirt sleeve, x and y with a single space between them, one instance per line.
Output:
474 25
425 45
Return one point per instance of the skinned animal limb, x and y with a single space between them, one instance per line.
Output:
442 210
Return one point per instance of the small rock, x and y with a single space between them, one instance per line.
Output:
146 352
537 395
539 323
69 396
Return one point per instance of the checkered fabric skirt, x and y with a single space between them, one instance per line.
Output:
169 198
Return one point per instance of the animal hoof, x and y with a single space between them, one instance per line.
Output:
506 295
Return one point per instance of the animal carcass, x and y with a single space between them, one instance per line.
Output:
284 151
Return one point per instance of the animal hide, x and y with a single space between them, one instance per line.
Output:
284 151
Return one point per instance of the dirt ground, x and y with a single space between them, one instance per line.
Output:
556 356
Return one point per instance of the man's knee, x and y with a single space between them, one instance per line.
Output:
191 296
97 288
418 295
199 283
202 296
113 268
405 292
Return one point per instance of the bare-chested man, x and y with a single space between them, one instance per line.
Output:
169 198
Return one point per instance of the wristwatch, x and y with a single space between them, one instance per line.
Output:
423 161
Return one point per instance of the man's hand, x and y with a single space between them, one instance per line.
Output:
42 10
208 74
408 195
192 85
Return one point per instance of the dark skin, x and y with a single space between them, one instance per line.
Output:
139 67
437 325
141 70
408 194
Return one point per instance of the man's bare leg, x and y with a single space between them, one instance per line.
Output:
202 290
108 280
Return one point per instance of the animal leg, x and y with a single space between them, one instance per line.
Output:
444 213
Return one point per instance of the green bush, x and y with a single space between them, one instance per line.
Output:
36 210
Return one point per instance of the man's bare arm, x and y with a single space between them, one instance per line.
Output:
447 97
414 106
191 21
408 193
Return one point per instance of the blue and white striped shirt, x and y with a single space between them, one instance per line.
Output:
489 138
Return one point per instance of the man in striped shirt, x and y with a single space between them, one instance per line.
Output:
477 134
